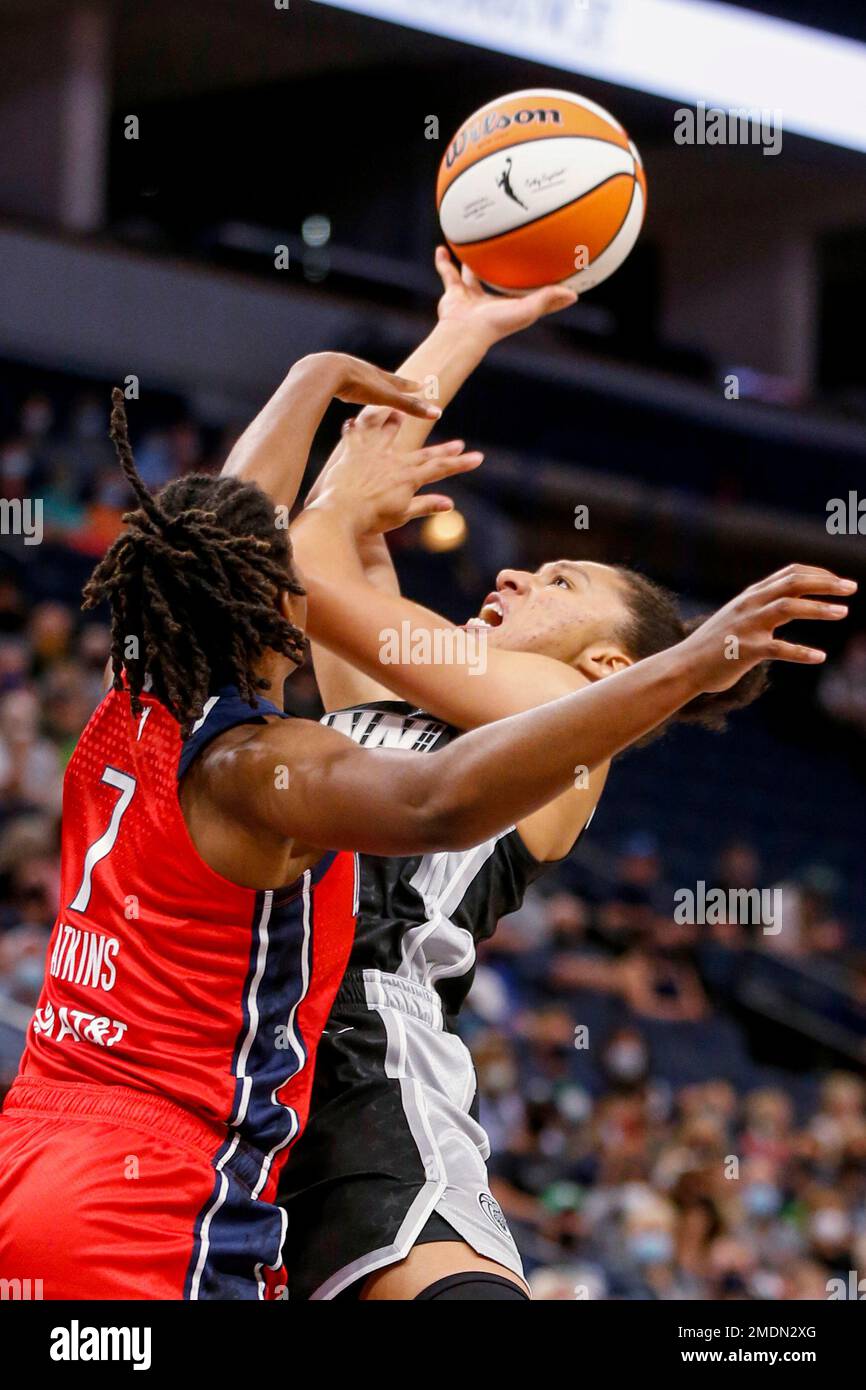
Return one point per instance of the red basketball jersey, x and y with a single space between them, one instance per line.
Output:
161 974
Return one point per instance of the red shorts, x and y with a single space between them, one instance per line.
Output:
107 1192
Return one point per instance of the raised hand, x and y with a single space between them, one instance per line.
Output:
374 481
743 633
496 316
360 383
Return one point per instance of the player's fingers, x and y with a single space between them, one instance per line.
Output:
790 651
552 299
402 383
368 380
372 415
373 386
382 419
803 579
791 610
470 279
807 587
428 505
797 575
448 272
431 451
375 415
412 405
446 466
762 586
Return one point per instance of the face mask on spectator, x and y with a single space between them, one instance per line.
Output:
830 1225
573 1104
650 1247
626 1060
499 1077
27 978
762 1199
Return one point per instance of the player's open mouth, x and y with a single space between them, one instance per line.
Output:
491 615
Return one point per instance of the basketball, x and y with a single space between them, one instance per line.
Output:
541 187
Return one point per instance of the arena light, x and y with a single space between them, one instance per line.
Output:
690 50
444 531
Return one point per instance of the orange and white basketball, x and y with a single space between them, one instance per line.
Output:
539 188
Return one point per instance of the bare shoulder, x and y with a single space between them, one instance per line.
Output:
237 800
249 759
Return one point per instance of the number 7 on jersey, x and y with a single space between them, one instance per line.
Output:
105 844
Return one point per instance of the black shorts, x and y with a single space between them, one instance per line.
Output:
393 1153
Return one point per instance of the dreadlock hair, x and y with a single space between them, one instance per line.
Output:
654 623
195 578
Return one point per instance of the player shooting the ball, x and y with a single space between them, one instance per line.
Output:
387 1191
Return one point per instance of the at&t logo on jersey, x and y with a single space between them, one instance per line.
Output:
78 1025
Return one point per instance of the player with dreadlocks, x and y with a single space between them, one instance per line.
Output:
209 870
194 573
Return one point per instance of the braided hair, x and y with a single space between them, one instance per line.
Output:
193 584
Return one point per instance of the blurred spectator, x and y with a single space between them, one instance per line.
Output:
30 770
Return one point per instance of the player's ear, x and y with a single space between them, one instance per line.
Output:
601 659
293 607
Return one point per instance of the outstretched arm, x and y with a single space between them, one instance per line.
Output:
470 322
273 449
341 684
380 801
373 485
365 568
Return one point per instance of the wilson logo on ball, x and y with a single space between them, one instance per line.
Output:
495 120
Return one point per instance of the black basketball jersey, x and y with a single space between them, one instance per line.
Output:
421 917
